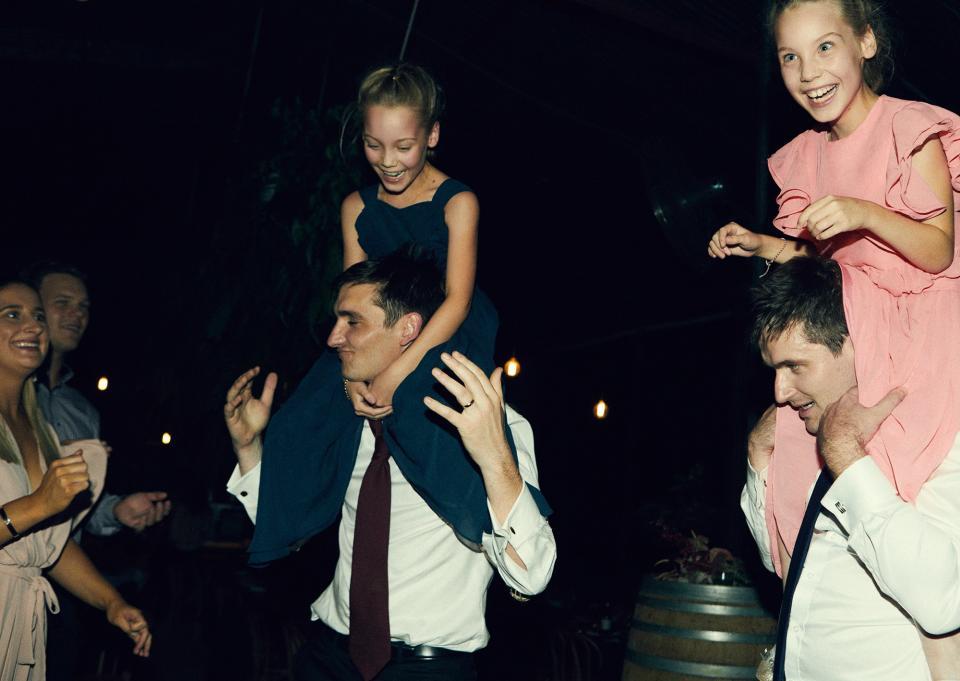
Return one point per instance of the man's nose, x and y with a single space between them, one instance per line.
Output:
335 339
782 388
76 312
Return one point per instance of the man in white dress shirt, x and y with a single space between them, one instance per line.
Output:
437 582
879 569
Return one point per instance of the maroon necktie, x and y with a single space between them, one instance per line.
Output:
369 595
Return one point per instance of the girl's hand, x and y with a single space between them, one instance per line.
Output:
833 215
64 480
364 402
733 239
381 389
131 621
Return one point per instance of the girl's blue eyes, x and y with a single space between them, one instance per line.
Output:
823 47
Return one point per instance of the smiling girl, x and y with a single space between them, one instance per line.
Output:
874 185
413 202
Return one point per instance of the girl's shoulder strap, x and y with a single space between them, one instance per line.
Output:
447 190
369 194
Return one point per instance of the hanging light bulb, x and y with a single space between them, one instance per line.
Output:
166 438
600 409
103 383
512 367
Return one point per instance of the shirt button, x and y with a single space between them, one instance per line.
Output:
513 530
243 494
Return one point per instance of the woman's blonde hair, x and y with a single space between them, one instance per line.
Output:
49 447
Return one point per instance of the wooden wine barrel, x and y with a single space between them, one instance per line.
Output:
691 632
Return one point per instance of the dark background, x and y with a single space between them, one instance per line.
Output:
606 140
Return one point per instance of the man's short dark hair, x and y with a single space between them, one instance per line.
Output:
407 281
806 293
35 273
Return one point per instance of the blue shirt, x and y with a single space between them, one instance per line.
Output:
74 418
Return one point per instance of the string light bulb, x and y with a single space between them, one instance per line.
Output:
166 438
600 410
103 383
512 367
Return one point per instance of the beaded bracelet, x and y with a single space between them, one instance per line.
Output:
9 523
774 259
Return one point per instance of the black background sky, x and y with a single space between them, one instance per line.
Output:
125 125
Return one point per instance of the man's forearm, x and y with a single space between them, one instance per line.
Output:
249 456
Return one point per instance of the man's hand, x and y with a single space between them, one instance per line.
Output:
481 420
481 425
247 416
760 441
142 509
847 426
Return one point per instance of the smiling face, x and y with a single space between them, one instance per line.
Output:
67 305
364 344
23 330
395 143
821 61
808 376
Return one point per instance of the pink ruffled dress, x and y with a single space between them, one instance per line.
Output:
904 323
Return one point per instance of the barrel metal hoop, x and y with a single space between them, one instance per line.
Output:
705 634
717 593
701 608
707 671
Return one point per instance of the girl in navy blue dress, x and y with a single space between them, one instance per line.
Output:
311 444
415 202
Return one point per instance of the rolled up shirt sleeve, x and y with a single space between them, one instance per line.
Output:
524 527
753 502
246 489
102 521
912 551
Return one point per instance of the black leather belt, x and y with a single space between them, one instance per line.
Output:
401 651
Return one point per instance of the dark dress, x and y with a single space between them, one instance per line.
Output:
311 443
383 229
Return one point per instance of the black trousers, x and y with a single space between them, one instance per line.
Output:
324 657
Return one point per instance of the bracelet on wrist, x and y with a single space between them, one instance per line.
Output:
9 523
770 262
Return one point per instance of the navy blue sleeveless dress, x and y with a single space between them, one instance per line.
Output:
311 443
383 229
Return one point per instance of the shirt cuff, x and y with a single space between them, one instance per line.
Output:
103 521
756 486
861 491
522 522
246 488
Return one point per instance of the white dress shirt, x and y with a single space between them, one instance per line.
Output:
877 568
438 584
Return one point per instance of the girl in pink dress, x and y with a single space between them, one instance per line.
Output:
874 186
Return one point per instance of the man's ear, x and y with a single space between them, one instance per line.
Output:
411 324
